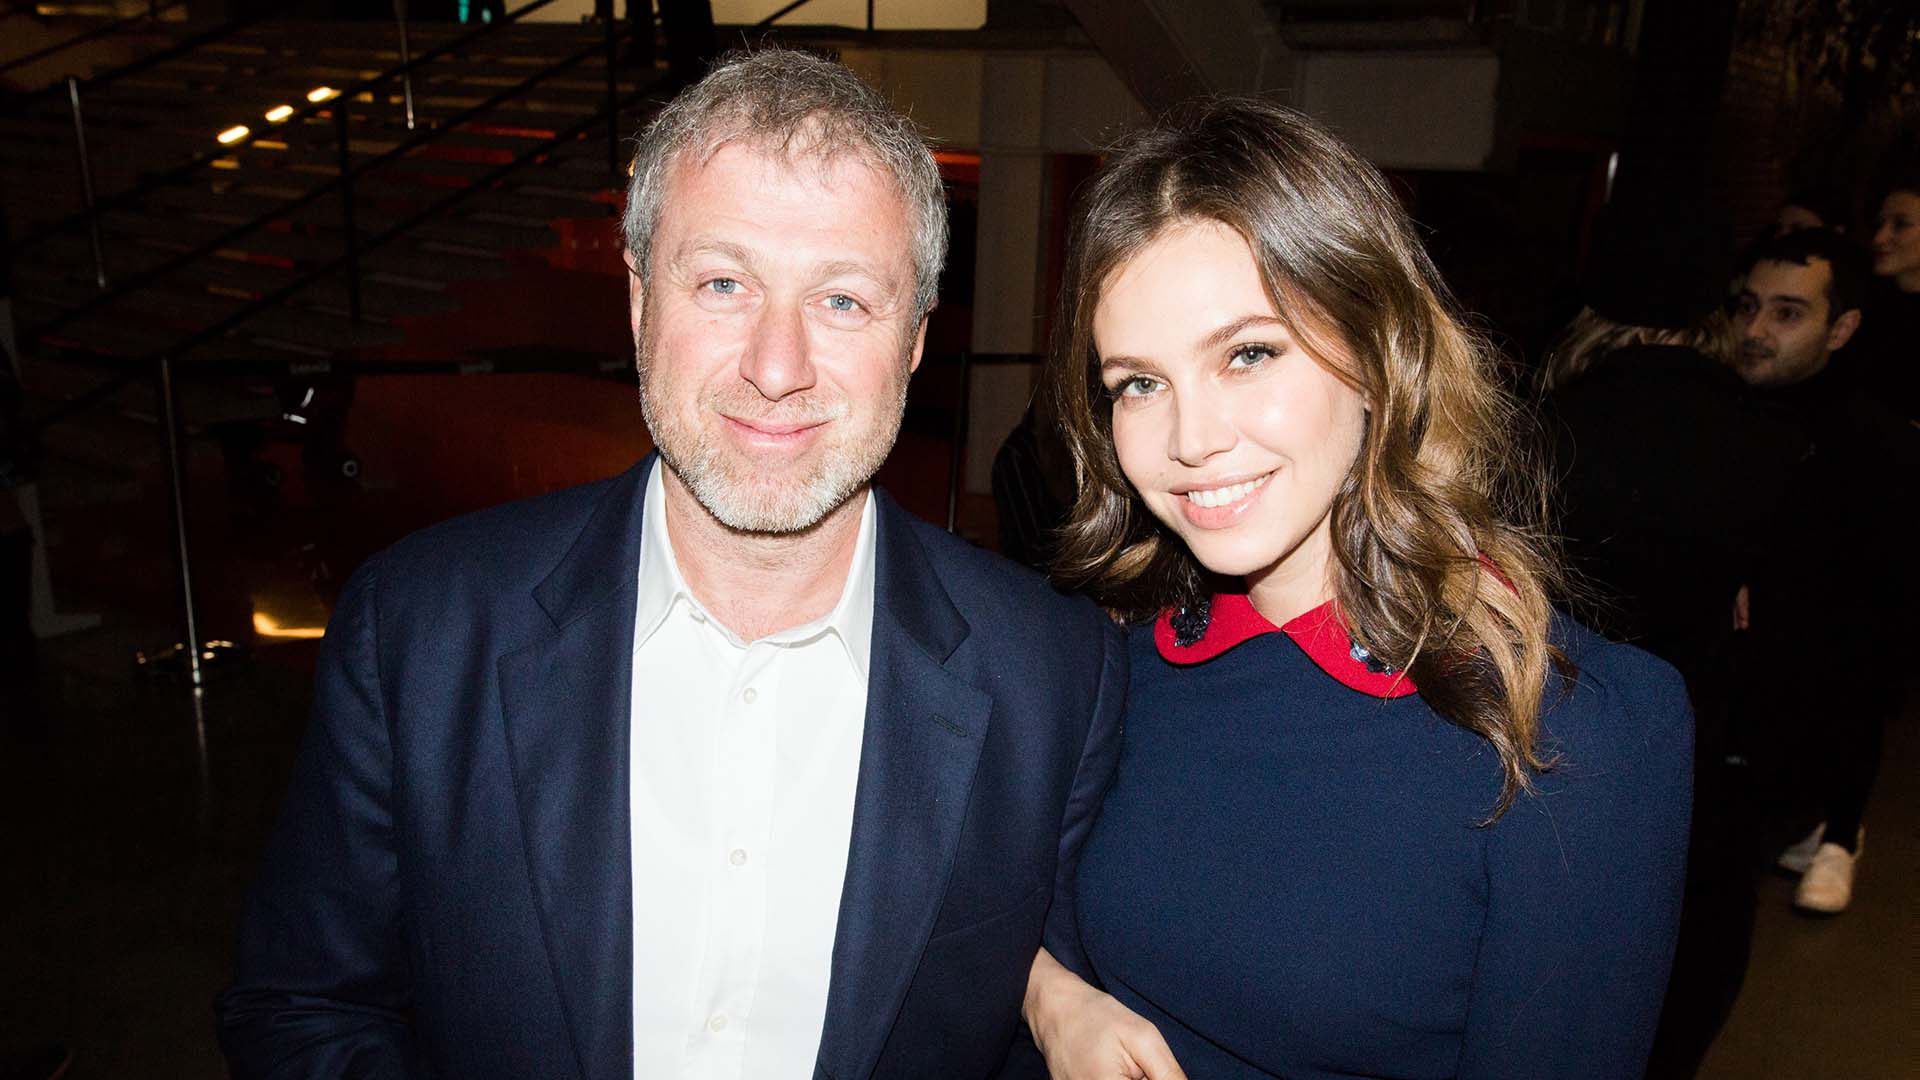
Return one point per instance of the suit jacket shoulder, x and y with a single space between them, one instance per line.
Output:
1010 605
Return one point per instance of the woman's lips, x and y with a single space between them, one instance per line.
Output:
1222 506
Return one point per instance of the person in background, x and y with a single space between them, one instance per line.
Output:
1812 207
1798 308
1887 352
1673 484
1380 811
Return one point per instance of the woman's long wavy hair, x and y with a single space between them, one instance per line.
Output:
1441 570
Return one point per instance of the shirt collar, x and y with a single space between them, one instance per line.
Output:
1229 619
661 585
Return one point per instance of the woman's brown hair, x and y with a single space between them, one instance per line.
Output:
1439 573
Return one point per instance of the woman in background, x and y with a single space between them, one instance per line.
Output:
1379 812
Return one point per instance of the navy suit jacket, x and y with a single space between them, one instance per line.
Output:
448 890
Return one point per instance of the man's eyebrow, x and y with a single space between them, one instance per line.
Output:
1788 298
833 268
698 246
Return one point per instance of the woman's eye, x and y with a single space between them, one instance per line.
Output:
1247 356
1133 386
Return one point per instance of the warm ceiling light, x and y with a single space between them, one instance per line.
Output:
279 113
322 93
233 135
265 626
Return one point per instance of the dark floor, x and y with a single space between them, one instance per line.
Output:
135 818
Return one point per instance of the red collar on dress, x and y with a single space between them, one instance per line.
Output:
1318 632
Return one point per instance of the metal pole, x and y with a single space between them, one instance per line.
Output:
958 460
86 184
613 113
176 480
406 57
346 209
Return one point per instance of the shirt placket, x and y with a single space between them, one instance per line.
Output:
743 783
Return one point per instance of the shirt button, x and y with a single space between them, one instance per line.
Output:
749 695
738 856
697 615
718 1023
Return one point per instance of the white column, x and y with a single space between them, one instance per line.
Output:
1010 253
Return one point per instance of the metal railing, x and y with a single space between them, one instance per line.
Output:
161 362
767 23
93 210
342 182
154 10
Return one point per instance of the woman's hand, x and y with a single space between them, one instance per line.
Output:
1086 1035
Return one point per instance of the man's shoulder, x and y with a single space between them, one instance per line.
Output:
990 588
509 542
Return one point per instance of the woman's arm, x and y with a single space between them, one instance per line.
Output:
1085 1034
1584 880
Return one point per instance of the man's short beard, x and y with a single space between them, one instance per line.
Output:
746 502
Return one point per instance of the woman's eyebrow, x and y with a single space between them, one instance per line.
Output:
1235 328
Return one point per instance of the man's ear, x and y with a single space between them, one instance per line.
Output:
636 294
919 345
1842 329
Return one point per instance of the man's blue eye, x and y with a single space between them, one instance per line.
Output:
725 286
842 303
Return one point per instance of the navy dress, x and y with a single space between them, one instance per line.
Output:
1289 877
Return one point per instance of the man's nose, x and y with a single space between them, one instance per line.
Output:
779 359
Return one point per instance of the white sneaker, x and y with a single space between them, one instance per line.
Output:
1797 858
1827 885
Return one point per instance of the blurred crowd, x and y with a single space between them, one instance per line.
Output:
1737 469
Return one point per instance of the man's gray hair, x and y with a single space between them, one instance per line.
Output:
795 103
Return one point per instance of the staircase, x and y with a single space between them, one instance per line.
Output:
171 191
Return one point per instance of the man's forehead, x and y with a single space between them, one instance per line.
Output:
1805 281
801 155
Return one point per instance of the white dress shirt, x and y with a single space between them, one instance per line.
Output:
744 760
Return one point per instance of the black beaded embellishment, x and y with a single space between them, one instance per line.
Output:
1360 653
1190 623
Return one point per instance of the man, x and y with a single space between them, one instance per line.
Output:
723 767
1800 305
1669 471
1816 608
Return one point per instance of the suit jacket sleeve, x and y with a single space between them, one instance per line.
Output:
1098 759
322 986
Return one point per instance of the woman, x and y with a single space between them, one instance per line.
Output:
1379 812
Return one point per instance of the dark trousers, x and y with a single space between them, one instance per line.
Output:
1823 683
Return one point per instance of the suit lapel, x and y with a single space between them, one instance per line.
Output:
566 700
924 731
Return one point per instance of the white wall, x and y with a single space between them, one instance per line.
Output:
1405 110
